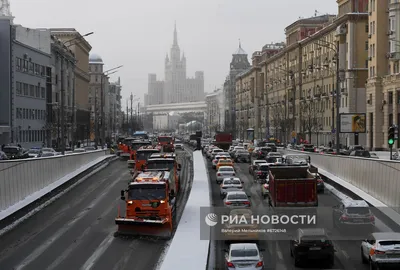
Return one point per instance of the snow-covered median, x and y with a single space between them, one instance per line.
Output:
186 247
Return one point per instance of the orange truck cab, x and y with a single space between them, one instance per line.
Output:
166 143
142 155
150 205
124 146
134 146
165 161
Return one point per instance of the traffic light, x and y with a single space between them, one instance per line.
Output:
392 135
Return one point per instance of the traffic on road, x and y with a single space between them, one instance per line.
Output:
255 183
112 220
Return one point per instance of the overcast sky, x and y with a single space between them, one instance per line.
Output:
138 34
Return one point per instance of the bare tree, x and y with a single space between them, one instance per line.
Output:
312 116
277 114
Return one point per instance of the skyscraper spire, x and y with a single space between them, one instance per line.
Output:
175 36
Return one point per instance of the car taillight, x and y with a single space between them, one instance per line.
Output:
266 186
228 203
259 173
372 218
246 203
229 264
343 217
320 181
302 149
218 174
373 251
259 264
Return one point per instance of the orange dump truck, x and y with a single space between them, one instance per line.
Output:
165 161
166 143
134 146
150 209
142 155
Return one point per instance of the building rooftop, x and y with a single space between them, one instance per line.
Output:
239 50
95 59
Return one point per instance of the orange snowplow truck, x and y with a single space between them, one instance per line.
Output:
166 143
142 155
150 206
165 161
134 146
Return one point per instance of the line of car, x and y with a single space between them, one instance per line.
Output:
11 152
378 249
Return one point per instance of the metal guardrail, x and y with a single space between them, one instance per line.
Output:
23 177
378 178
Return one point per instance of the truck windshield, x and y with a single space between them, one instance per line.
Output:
10 150
164 139
136 146
160 164
146 192
144 155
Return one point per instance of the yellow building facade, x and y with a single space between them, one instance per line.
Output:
383 85
289 93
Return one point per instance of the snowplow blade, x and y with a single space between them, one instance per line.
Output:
161 229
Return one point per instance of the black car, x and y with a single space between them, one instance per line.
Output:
312 244
261 172
15 152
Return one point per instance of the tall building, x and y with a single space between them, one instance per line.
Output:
81 49
383 94
176 88
238 64
62 82
290 94
25 56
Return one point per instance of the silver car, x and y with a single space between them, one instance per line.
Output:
224 172
381 249
230 184
244 256
237 199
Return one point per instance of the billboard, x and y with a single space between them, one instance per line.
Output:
353 123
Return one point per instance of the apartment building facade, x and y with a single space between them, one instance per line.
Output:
290 94
383 91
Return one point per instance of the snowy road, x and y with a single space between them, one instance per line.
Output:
77 231
277 255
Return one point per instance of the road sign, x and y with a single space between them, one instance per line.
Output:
294 134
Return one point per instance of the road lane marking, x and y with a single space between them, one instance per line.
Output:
345 254
77 241
278 251
124 260
98 252
42 248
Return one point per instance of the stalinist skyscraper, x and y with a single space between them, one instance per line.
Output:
176 88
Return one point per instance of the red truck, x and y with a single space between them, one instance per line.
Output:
223 140
292 186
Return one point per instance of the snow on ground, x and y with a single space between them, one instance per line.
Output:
186 249
38 194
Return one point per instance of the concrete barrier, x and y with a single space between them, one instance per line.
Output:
186 249
378 178
19 179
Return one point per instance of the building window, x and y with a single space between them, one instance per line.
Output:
42 71
31 67
366 45
26 89
366 28
37 92
19 64
390 97
43 92
32 90
37 69
18 88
